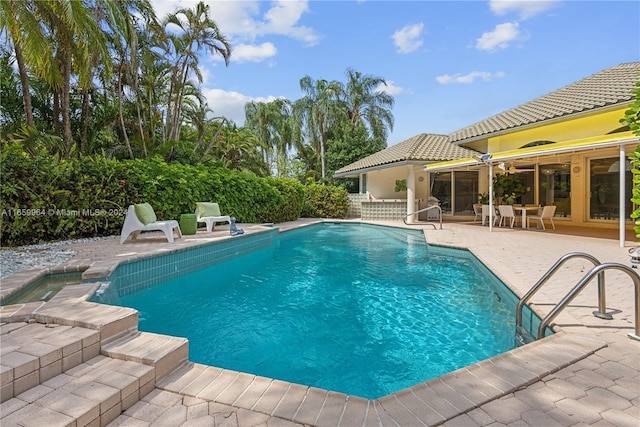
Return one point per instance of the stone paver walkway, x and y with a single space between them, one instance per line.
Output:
588 374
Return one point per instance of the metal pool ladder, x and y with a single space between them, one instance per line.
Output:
598 269
404 218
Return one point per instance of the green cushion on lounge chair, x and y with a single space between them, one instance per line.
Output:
145 213
208 209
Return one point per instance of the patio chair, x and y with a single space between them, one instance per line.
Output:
477 211
209 213
141 217
547 213
485 214
507 212
634 253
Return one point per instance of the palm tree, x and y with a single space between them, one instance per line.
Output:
78 36
237 148
152 86
215 127
197 31
20 23
368 105
273 124
318 110
123 32
259 117
290 136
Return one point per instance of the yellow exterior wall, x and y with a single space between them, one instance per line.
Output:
597 124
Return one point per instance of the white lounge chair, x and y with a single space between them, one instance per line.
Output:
209 213
141 217
547 213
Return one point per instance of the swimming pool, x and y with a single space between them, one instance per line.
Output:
359 309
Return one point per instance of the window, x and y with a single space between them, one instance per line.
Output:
604 188
537 143
555 187
527 177
466 192
441 189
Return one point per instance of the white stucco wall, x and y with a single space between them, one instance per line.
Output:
381 183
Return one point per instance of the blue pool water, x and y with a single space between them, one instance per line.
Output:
357 309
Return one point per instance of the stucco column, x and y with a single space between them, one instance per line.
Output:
411 195
622 202
492 213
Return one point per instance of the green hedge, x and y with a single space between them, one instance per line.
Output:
325 201
44 200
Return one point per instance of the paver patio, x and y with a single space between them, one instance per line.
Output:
587 374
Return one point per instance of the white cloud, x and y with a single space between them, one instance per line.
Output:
241 22
390 88
253 53
230 104
282 19
524 8
469 78
500 37
409 38
165 7
207 75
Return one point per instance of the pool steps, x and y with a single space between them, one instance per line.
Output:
76 363
163 352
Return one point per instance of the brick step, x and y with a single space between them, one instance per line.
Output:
33 353
111 321
94 393
165 353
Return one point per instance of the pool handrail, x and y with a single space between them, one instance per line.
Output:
404 218
598 269
535 288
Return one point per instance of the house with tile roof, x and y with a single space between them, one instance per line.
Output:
566 148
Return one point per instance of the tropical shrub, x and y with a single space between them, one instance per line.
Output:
293 198
632 119
508 186
325 201
635 192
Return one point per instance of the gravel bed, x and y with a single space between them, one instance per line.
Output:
42 255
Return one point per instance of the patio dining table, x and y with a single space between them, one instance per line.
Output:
524 210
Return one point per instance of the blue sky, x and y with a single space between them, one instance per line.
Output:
448 64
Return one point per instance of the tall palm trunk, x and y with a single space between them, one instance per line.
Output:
323 150
56 112
65 102
121 116
24 81
86 114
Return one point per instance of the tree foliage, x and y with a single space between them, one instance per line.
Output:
102 106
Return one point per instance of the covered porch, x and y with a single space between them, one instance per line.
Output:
583 179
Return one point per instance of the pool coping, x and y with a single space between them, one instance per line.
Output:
432 402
